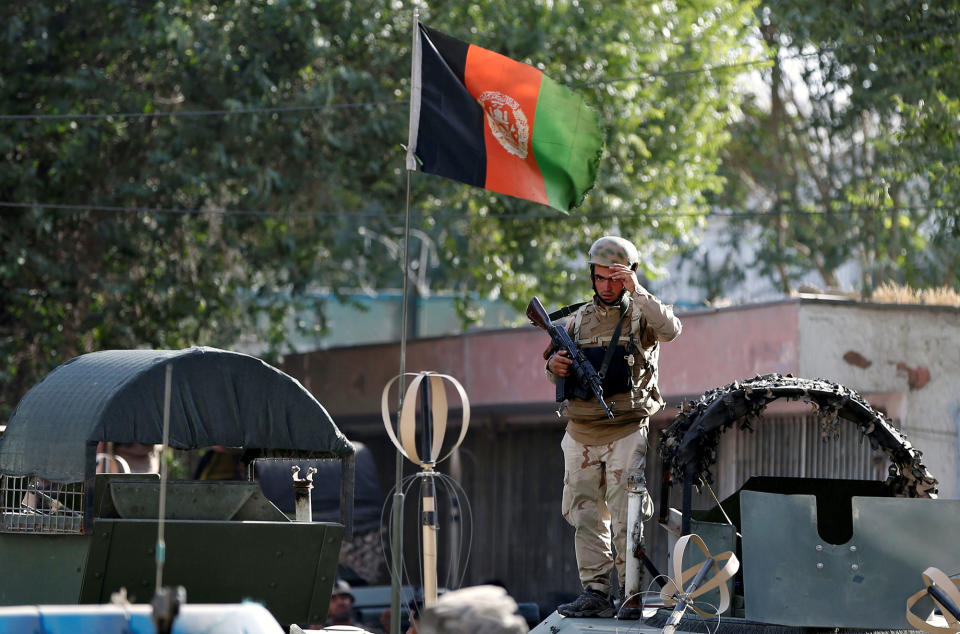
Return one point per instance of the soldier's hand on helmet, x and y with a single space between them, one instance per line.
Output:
559 363
628 277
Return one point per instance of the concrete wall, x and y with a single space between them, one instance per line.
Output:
722 345
907 356
499 367
505 367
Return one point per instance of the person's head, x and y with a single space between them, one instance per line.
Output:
604 254
476 610
341 604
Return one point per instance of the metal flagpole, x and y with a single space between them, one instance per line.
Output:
396 516
396 543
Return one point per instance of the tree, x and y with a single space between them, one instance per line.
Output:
849 154
111 230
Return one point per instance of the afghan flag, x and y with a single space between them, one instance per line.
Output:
489 121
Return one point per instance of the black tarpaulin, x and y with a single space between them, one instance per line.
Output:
217 398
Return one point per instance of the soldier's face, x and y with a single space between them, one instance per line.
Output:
608 288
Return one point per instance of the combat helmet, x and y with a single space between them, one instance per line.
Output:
610 250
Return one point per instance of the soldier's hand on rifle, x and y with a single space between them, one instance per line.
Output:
559 363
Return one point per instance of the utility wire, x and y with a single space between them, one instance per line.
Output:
600 82
773 58
206 212
678 73
202 113
544 215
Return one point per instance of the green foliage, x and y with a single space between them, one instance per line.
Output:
850 153
662 138
73 280
177 464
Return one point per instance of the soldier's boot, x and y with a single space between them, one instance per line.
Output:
590 603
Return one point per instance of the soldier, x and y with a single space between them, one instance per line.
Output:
619 333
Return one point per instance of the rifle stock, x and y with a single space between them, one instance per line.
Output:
538 314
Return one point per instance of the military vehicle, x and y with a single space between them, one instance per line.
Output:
815 553
69 535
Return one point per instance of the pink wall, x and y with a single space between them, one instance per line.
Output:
506 366
723 345
495 367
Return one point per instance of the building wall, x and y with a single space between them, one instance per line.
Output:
512 466
908 354
722 345
505 367
497 368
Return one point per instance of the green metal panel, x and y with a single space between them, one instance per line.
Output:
719 538
140 499
287 566
794 577
41 568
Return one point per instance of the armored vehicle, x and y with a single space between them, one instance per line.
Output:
815 553
70 535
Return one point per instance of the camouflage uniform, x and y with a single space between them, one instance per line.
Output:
599 453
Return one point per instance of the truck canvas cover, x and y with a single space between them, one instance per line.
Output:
118 396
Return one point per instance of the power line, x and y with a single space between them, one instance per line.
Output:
678 73
879 40
190 212
876 41
203 113
545 215
773 58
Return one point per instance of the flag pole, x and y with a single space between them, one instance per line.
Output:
416 86
396 517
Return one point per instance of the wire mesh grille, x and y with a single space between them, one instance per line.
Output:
33 505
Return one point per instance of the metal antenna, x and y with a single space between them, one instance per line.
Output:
161 545
433 418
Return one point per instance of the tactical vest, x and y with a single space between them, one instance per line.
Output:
642 352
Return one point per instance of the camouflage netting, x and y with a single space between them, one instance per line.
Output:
690 442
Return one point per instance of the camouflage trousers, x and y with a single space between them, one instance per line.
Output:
595 502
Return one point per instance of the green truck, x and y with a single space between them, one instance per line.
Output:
70 535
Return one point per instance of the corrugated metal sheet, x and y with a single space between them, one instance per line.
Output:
794 446
514 477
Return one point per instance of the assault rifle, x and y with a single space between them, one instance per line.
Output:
586 376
